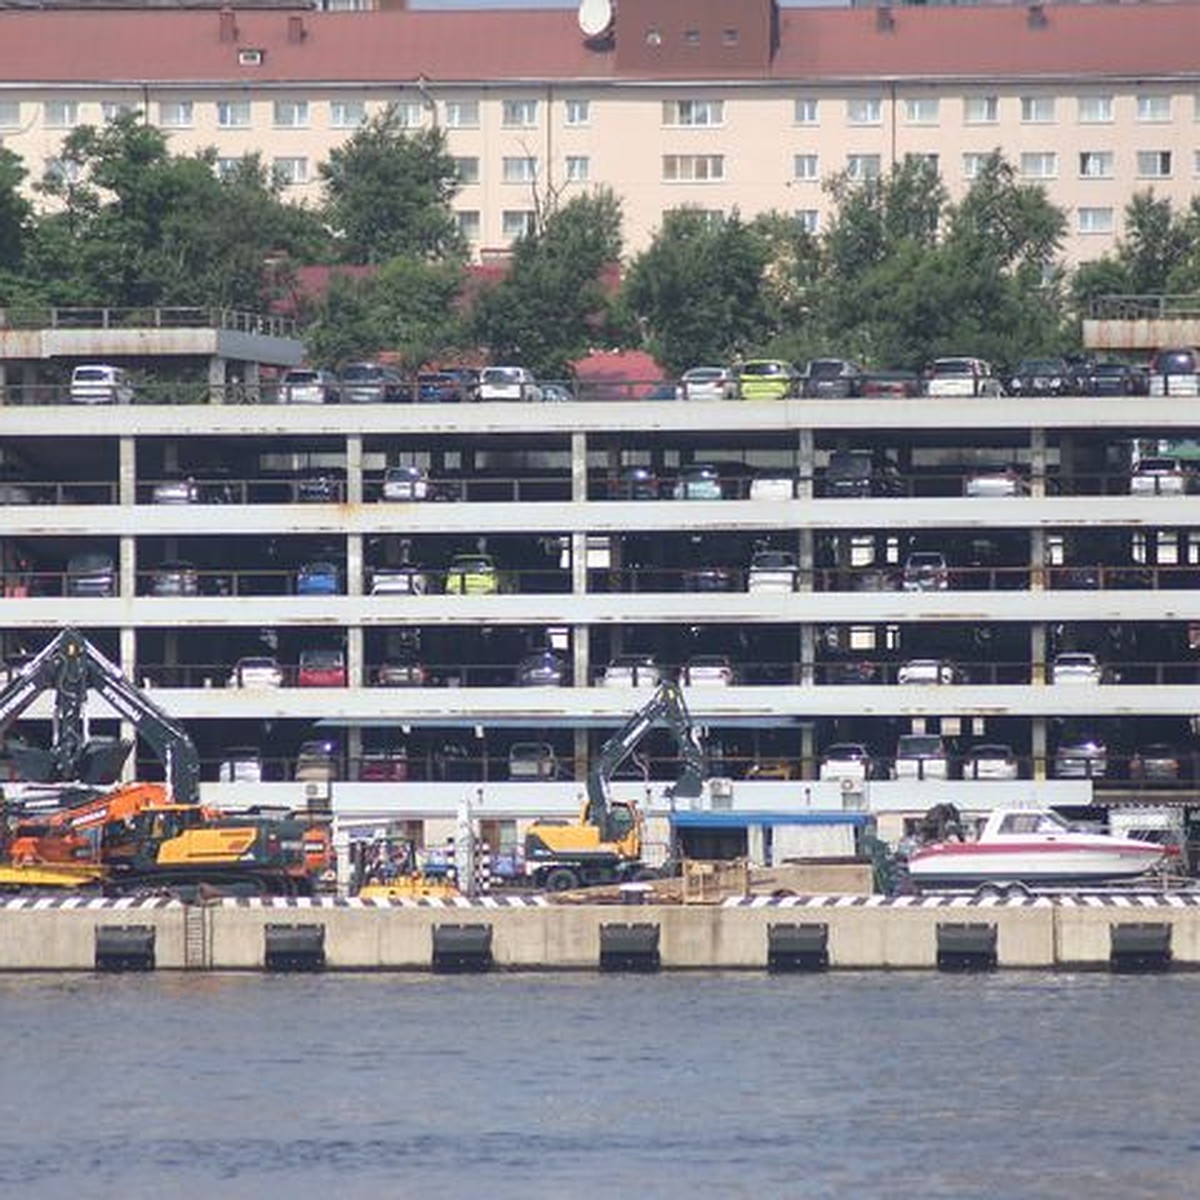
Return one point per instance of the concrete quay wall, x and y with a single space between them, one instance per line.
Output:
850 933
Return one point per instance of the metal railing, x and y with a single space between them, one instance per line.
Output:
1139 307
148 317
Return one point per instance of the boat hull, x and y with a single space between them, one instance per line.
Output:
965 864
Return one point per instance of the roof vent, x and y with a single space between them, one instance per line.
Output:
885 20
228 26
1037 17
296 32
251 58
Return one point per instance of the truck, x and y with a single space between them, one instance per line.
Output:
123 837
604 844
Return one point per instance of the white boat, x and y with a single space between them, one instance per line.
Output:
1032 846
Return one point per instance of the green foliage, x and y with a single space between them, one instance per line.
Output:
388 192
552 305
15 210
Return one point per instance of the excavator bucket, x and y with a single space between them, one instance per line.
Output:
101 759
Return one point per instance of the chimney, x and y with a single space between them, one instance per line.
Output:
229 29
296 33
885 22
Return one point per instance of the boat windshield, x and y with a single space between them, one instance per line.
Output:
1033 822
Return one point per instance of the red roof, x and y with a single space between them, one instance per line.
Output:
816 45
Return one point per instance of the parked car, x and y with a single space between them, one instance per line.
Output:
1108 377
991 760
318 578
308 385
542 668
384 766
711 579
1042 377
708 383
240 764
474 575
772 571
831 379
700 481
405 482
372 383
635 482
321 667
961 376
532 760
766 379
921 756
508 383
100 383
897 385
1076 667
437 387
927 671
708 670
256 671
177 489
1161 477
403 669
1081 756
773 769
1175 371
175 577
317 761
992 483
467 381
632 670
404 580
1156 762
319 487
91 573
846 761
925 571
851 474
851 672
774 485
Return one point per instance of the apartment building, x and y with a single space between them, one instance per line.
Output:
722 105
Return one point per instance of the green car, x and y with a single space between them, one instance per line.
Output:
766 379
474 575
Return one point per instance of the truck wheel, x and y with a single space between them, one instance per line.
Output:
561 879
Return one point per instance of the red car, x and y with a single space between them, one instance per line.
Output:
321 668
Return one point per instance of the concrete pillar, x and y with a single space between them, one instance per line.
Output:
578 563
127 567
127 660
1037 652
355 664
216 380
1037 560
253 380
354 748
807 455
354 468
579 471
808 752
1037 745
756 850
1037 462
808 654
580 752
354 564
126 472
581 667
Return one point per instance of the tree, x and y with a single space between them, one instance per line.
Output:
697 290
388 191
553 303
15 210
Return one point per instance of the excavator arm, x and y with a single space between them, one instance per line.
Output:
668 707
70 666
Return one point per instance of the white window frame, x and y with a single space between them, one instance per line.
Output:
347 114
688 113
466 169
519 168
1153 108
1096 164
461 114
511 218
409 114
470 223
60 114
290 169
861 167
1037 110
233 114
176 114
973 162
693 168
806 110
10 114
864 110
578 168
1092 221
922 110
519 114
981 110
809 219
577 112
1154 164
225 167
1095 110
290 114
110 110
806 168
1039 164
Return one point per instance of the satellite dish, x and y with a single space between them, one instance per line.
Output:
595 17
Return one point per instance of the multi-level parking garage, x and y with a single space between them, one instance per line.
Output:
1070 562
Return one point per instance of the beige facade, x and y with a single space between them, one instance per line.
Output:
745 145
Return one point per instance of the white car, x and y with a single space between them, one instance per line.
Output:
307 385
176 491
961 376
1160 477
708 383
772 571
708 670
921 756
846 761
1076 667
773 487
508 383
994 484
241 764
991 761
927 671
399 581
256 671
100 383
405 483
632 670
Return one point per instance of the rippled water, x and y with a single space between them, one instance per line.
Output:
840 1085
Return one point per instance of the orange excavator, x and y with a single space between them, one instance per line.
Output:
134 836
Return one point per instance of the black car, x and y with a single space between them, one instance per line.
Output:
831 379
1042 377
712 579
319 487
1108 377
437 387
635 483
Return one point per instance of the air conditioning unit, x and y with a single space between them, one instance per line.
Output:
251 58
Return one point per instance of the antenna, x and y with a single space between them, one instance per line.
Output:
595 17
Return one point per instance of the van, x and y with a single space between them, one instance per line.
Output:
100 383
1175 372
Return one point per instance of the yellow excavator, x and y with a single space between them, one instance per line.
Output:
604 845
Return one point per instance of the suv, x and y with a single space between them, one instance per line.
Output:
846 760
175 578
404 580
404 669
926 571
542 668
857 473
508 383
832 379
772 571
91 573
921 756
474 575
321 667
1160 477
1042 377
256 671
240 764
406 482
632 670
1175 372
961 377
308 385
100 383
372 383
700 481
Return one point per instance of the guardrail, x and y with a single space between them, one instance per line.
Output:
152 317
1139 307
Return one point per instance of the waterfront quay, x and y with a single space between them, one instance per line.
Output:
1096 931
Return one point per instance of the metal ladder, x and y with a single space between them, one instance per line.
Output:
195 938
